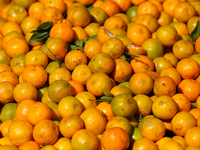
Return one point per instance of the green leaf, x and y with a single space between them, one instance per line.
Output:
93 37
196 32
90 7
45 25
107 93
39 37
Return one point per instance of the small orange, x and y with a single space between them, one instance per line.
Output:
123 5
87 99
169 5
59 30
16 46
104 35
180 27
114 22
66 106
115 138
4 127
122 71
110 7
20 132
98 83
153 128
4 9
164 107
120 89
105 107
6 92
63 143
36 9
162 63
9 76
5 67
162 141
182 121
85 139
164 18
172 145
180 140
182 102
75 57
94 120
23 91
79 33
17 64
59 4
77 87
34 74
170 56
4 58
98 15
92 29
195 112
144 143
69 125
30 145
43 131
102 63
50 14
39 111
141 83
192 136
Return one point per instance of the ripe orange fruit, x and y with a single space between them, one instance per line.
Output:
43 131
182 102
120 89
84 139
192 136
59 4
50 14
141 83
169 5
63 142
9 76
20 132
6 92
153 128
172 144
110 7
162 63
144 143
94 120
115 138
30 145
35 10
182 122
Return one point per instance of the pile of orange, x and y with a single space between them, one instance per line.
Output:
100 74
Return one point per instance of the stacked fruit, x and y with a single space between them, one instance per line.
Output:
100 74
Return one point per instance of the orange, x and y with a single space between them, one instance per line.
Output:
4 9
10 26
182 122
87 99
191 24
9 147
164 85
162 63
164 107
63 143
24 3
198 102
30 145
4 58
197 45
9 76
73 58
104 35
120 89
50 14
114 22
141 83
35 10
79 33
144 143
92 47
195 112
123 5
167 34
94 120
59 30
81 17
39 111
180 140
172 145
36 57
190 88
98 83
59 74
138 33
17 64
169 5
43 131
84 139
148 8
110 7
20 132
23 91
122 71
183 49
144 104
149 21
124 17
180 27
35 74
184 11
192 136
164 18
5 68
115 138
153 128
105 107
192 148
188 68
92 29
98 15
28 23
141 64
162 141
16 46
59 4
123 105
70 125
4 127
131 12
58 47
6 92
170 56
77 87
182 102
114 47
65 106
